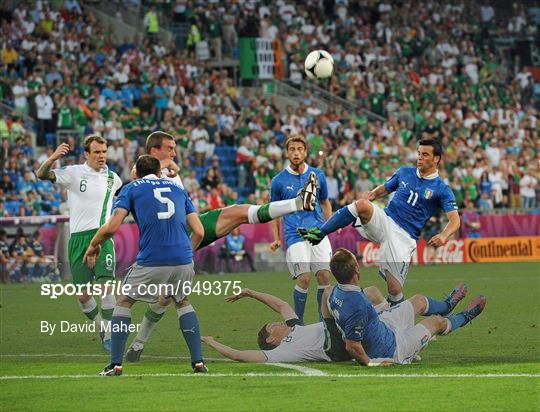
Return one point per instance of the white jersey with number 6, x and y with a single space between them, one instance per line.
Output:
90 195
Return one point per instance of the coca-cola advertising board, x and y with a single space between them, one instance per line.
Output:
452 252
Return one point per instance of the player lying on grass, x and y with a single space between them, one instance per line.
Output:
419 194
216 223
289 341
390 336
165 257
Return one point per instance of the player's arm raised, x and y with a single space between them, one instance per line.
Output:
274 303
105 232
255 356
451 227
44 172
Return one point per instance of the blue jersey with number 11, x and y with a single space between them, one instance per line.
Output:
417 199
160 208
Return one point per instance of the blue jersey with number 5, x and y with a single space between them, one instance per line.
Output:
417 199
160 208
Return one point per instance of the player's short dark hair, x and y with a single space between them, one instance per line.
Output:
343 265
147 165
155 140
435 144
296 138
261 339
88 140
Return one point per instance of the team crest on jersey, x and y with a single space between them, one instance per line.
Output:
428 193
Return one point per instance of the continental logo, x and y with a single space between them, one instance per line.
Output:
503 249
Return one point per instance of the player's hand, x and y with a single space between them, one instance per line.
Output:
207 339
381 362
275 245
91 255
173 167
244 293
438 240
313 235
60 151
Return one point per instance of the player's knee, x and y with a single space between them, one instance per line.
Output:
323 277
182 304
439 323
394 287
164 301
419 303
303 280
83 298
362 206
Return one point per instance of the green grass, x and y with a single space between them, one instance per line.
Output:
505 339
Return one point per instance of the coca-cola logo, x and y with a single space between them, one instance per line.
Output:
370 254
452 252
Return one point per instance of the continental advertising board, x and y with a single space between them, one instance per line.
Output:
499 249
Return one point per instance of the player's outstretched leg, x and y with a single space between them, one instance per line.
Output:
154 313
120 323
189 325
428 306
233 216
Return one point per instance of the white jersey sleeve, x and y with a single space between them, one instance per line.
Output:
65 176
117 183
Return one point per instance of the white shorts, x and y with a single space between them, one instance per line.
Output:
303 257
396 245
410 338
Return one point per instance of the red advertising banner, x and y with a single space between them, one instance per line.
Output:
452 252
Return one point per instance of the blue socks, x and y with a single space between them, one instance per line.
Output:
120 322
436 307
343 217
189 325
457 321
320 291
300 298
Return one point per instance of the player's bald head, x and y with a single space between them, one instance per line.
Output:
343 266
147 165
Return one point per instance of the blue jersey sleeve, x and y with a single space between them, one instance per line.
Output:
275 190
323 187
123 200
448 200
392 184
189 206
356 324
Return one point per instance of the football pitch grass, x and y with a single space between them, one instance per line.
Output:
492 364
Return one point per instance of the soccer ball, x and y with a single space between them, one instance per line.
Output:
319 65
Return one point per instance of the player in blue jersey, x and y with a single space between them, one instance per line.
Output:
163 212
419 194
302 257
374 336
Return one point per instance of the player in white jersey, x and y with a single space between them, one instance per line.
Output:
288 341
90 188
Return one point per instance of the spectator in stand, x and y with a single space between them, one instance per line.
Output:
528 185
200 141
44 106
234 248
471 221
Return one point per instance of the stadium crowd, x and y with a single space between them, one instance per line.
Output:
72 75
